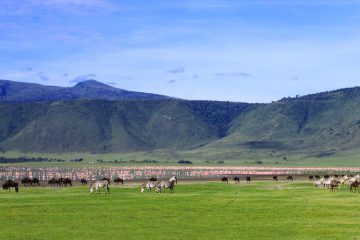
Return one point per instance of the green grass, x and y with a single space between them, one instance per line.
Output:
259 210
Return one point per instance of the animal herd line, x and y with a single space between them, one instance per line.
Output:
330 182
333 183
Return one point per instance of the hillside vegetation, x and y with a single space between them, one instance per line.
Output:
112 126
315 125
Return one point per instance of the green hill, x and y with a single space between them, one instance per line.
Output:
318 124
112 126
322 123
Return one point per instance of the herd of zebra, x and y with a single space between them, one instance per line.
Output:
160 186
333 182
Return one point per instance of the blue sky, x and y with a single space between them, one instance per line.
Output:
252 51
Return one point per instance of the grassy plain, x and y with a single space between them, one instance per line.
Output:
202 210
206 158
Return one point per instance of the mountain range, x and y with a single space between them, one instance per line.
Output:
11 91
95 117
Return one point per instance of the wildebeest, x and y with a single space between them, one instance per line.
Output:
9 184
275 178
83 181
354 186
236 179
65 181
224 179
26 182
311 178
164 185
119 181
333 185
289 178
100 184
54 182
35 182
248 179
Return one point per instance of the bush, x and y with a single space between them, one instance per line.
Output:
184 162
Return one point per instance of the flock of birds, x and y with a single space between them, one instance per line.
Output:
330 182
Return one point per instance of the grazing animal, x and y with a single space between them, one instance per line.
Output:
275 178
9 184
60 181
35 182
119 181
106 179
248 179
26 182
83 181
53 182
236 179
328 181
333 185
173 178
354 178
148 185
341 181
65 181
317 177
354 186
319 183
311 178
224 179
99 184
164 185
289 178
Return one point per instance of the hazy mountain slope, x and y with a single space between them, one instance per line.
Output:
102 126
322 121
11 91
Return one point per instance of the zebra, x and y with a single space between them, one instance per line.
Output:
173 178
164 185
354 179
148 185
99 184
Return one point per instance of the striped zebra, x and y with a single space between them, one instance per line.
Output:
173 178
164 185
148 185
100 184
